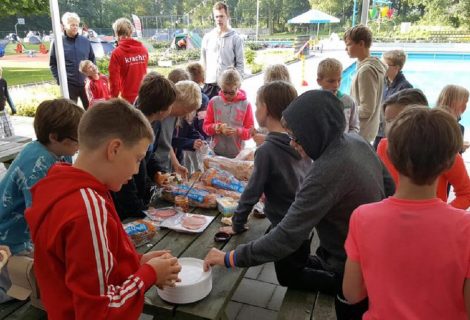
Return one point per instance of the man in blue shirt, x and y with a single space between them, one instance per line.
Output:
76 49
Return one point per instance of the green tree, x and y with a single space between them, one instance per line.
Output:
21 7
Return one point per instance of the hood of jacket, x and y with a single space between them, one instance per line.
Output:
282 141
375 63
316 119
130 45
61 180
240 96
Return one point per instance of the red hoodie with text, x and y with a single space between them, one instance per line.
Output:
127 68
85 264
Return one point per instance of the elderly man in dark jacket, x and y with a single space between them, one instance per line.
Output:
76 49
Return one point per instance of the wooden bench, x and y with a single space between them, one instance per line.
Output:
304 305
20 310
10 147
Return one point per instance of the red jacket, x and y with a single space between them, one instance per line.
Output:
127 68
85 264
457 176
97 90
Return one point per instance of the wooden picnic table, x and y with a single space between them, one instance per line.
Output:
11 146
224 281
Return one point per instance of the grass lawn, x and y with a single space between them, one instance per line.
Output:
15 76
10 48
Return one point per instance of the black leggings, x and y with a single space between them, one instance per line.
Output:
302 271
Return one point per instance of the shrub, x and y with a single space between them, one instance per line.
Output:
103 65
27 99
250 56
254 45
256 68
161 44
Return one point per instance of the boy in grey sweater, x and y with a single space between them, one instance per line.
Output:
346 173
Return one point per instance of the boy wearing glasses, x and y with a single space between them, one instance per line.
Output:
55 125
229 117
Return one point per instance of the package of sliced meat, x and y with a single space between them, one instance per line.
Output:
197 197
241 169
223 180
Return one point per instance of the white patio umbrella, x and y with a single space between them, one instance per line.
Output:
313 16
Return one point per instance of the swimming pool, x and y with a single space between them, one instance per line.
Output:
429 72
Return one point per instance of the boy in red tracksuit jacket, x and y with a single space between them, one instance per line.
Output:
229 116
97 84
85 264
128 64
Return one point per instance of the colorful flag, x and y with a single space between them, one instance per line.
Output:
137 25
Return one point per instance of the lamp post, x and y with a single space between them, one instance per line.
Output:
365 12
59 47
257 19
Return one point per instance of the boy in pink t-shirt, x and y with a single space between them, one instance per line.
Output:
410 253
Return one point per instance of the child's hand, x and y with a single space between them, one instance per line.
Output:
154 254
214 257
198 144
228 131
201 115
228 230
5 253
167 269
182 171
259 138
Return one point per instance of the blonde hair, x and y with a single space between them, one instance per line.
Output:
70 16
123 27
83 65
188 94
275 72
450 95
189 98
328 66
396 57
230 77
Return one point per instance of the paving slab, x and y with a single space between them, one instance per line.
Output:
276 300
256 313
268 274
253 292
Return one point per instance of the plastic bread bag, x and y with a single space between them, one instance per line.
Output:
197 197
140 231
240 169
246 154
223 180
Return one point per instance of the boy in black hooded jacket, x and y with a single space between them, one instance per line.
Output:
345 174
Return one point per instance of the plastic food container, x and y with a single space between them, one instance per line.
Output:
227 206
